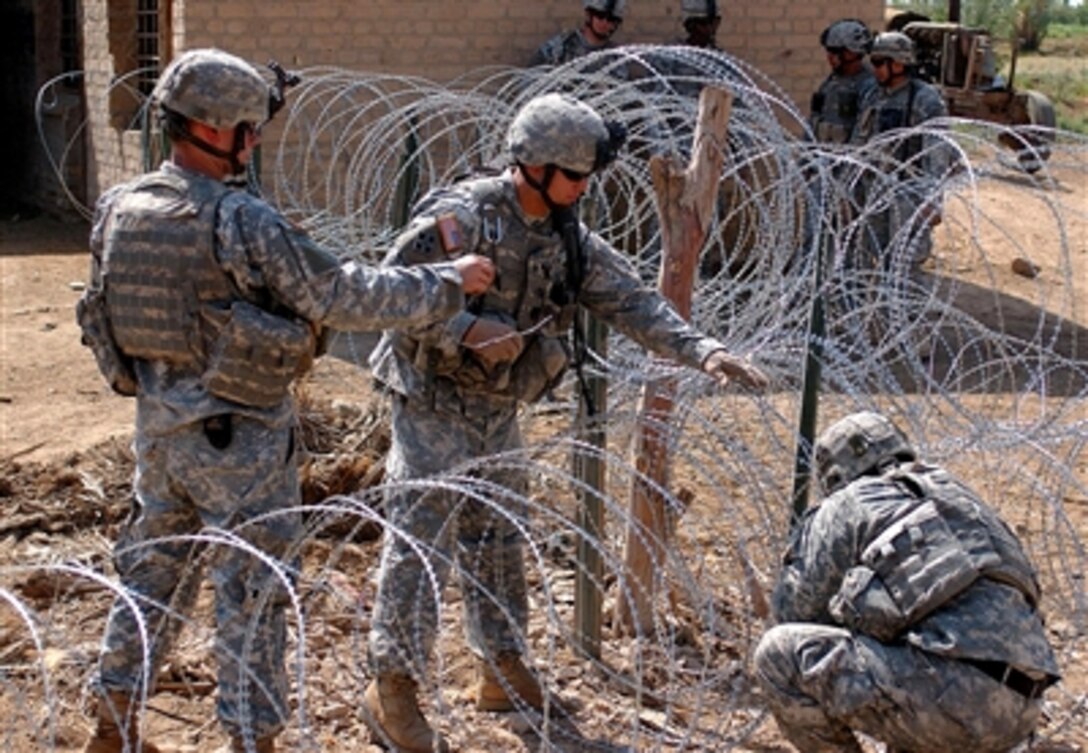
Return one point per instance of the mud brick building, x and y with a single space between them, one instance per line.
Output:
129 40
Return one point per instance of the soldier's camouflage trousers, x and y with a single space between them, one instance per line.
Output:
429 529
184 485
821 682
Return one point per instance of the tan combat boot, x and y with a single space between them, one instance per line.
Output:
491 692
118 722
263 745
391 710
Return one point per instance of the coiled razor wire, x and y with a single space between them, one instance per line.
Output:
985 370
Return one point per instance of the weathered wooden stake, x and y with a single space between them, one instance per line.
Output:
686 198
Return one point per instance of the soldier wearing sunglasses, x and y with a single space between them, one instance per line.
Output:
902 190
456 387
602 19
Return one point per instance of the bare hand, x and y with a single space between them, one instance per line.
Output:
493 342
477 273
725 367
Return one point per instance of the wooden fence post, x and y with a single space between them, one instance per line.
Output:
686 198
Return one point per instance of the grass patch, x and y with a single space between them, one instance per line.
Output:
1059 71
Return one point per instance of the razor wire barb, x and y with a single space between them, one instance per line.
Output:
999 398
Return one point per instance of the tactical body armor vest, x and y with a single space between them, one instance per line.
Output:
169 300
835 109
160 265
938 545
531 293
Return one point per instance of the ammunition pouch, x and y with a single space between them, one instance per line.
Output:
848 105
834 133
94 321
255 355
890 119
540 367
912 569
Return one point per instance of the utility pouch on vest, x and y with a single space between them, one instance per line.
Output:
891 119
848 105
94 320
816 104
256 356
540 367
912 569
835 133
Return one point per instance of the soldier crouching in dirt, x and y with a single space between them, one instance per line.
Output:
205 304
907 609
456 387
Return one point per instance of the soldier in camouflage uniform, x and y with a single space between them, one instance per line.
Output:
907 609
701 19
901 191
205 304
602 19
456 387
836 104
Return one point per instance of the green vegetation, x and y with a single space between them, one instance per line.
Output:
1060 70
1032 20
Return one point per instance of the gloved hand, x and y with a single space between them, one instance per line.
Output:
725 367
493 342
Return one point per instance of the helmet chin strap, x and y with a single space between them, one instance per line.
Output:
177 128
541 187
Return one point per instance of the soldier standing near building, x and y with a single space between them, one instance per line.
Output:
205 304
456 388
602 19
701 19
905 167
836 104
907 609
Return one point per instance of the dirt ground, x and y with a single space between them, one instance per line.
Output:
57 418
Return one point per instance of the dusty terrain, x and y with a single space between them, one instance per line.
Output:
65 466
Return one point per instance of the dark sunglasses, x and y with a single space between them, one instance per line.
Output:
879 62
606 16
573 175
840 51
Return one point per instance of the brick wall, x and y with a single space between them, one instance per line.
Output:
441 39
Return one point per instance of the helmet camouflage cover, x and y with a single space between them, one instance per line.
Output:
692 9
612 7
895 45
858 444
848 33
213 87
559 130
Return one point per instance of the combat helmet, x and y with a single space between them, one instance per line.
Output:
894 45
691 10
213 87
556 129
849 34
859 444
609 7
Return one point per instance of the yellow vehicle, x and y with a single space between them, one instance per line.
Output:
960 61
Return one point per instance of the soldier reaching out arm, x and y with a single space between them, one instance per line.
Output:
205 303
456 386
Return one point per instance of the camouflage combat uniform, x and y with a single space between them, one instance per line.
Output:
448 411
837 103
566 46
913 166
218 283
889 629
